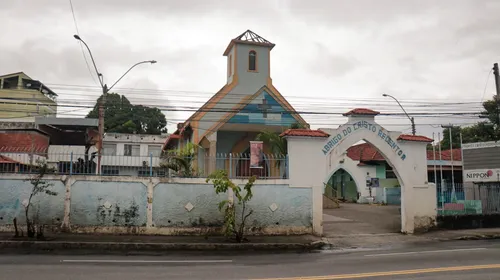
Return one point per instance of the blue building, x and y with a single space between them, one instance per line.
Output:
247 104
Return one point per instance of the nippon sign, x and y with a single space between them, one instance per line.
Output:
482 175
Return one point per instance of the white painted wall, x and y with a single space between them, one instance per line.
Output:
306 171
314 160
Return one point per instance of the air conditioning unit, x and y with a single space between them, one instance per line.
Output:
144 163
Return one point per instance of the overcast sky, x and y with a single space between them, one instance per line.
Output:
327 52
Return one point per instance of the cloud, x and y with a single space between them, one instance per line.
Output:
331 65
325 49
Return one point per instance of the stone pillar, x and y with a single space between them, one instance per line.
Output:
149 212
68 182
212 153
212 157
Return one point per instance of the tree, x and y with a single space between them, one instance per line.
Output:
223 184
481 132
40 186
123 117
181 160
277 144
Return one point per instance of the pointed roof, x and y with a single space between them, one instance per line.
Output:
250 38
245 101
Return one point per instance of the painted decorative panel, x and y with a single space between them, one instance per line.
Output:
14 194
108 203
264 109
186 205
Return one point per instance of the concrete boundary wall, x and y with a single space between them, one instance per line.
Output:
166 206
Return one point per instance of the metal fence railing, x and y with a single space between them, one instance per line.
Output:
236 165
468 200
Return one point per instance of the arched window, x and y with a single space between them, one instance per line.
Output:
252 61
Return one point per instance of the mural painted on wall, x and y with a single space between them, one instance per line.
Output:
264 109
48 209
108 204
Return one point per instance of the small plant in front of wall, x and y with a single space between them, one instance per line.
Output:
234 223
40 186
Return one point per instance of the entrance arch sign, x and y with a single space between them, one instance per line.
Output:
314 157
348 129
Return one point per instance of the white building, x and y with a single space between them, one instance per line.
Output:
122 154
132 154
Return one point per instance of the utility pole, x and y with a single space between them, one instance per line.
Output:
105 91
496 73
450 129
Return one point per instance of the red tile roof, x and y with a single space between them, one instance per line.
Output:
367 152
362 111
364 152
416 138
305 133
445 155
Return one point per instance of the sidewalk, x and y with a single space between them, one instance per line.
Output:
157 244
384 240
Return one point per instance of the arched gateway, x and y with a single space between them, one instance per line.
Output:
314 155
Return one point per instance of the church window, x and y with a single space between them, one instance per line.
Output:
252 61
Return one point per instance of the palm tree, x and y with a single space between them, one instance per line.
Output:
278 144
181 160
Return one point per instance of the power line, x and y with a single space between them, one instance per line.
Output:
486 84
230 110
211 93
81 47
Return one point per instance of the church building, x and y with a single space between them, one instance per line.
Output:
246 105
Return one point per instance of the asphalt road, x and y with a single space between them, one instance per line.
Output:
451 260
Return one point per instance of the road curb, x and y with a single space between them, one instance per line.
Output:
469 237
478 237
48 246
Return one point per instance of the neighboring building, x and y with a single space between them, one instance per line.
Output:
482 163
48 138
132 154
364 160
23 98
246 105
69 145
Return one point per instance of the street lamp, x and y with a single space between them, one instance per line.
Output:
412 120
105 91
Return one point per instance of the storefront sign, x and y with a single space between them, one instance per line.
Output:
348 129
256 154
482 175
479 145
